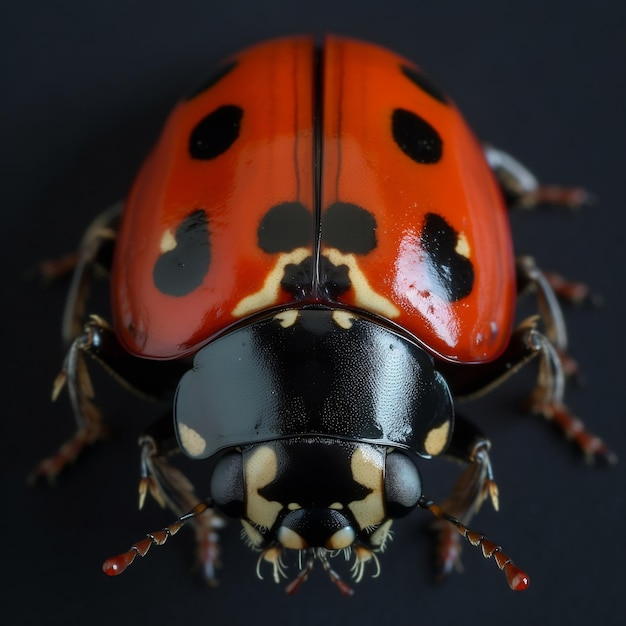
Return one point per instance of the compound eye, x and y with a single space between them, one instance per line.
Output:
403 486
227 488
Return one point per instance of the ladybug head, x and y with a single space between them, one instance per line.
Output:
316 495
315 417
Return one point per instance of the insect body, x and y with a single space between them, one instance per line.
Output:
313 264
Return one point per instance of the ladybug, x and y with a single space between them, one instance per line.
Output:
312 267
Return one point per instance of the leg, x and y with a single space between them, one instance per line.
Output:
468 446
149 378
95 253
531 278
171 488
547 398
549 288
521 188
571 291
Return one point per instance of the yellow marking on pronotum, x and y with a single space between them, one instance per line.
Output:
260 470
343 319
437 439
367 466
287 318
193 443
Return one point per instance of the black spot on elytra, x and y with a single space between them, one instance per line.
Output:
215 133
349 228
333 279
416 137
298 279
285 227
181 270
452 274
425 84
222 71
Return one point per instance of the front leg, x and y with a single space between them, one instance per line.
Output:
151 379
172 489
526 344
470 447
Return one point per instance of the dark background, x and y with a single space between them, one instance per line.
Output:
85 88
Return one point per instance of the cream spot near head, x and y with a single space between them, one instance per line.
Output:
260 469
193 443
343 319
367 469
437 439
287 318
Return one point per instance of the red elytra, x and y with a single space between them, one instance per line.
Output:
457 301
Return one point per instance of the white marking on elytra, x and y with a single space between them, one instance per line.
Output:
365 296
168 241
462 246
192 441
269 292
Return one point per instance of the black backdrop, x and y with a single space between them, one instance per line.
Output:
85 87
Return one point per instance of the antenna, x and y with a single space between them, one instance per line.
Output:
518 579
118 564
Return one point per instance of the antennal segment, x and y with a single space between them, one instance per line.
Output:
518 579
118 564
